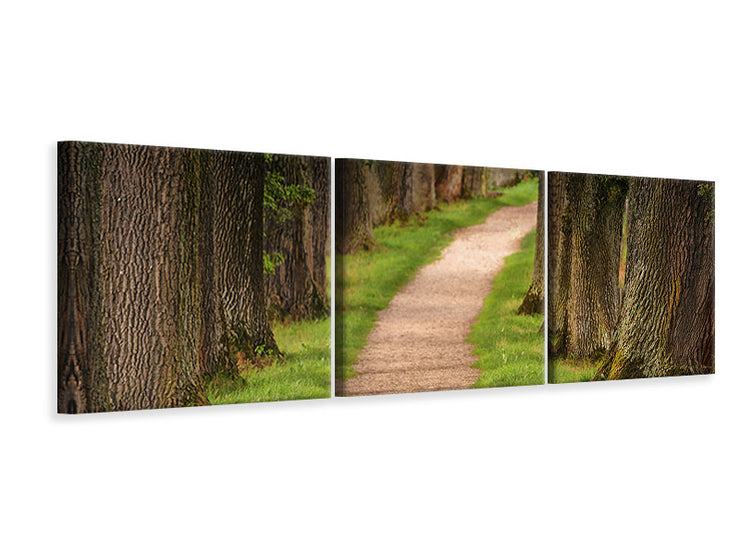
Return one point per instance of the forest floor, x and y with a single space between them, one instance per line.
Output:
419 341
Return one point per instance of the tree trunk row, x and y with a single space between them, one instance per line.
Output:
662 321
160 270
297 288
372 193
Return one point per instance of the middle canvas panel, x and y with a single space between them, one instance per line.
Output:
440 277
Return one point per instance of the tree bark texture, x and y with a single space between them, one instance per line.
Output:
238 240
666 323
297 289
132 278
448 182
390 191
159 272
556 227
587 298
424 193
471 184
354 226
534 300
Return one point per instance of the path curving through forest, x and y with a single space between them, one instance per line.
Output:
418 342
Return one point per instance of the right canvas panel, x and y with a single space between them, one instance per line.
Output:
630 277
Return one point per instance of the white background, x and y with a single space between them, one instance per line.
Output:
647 88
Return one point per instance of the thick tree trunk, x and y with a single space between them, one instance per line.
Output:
238 240
320 225
395 200
448 182
298 286
555 257
133 278
534 300
666 323
424 193
587 301
472 182
390 191
354 227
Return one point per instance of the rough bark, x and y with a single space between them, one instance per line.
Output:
587 298
534 300
666 323
448 182
555 228
354 227
424 193
132 278
238 240
471 184
297 289
390 191
320 223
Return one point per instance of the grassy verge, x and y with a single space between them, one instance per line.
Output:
571 370
303 373
367 281
510 347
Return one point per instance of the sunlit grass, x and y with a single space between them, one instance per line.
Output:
304 372
510 347
570 370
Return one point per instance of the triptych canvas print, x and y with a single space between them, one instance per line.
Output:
192 277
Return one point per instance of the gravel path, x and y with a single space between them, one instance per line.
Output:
418 343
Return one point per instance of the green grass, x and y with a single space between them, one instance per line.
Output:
571 370
510 347
368 280
304 372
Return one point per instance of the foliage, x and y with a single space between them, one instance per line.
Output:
369 279
283 202
271 261
510 347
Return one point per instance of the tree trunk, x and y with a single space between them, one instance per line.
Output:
666 323
425 197
497 178
298 286
448 182
133 278
587 301
555 258
390 191
320 225
354 227
238 240
472 182
534 300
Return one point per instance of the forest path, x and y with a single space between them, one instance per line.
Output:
418 342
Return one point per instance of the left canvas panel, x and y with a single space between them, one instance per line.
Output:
190 277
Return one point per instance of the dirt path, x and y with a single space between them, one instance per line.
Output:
418 343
